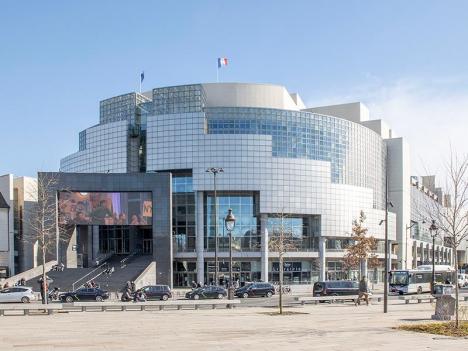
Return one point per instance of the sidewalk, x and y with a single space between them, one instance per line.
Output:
321 327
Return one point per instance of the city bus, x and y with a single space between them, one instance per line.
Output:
418 281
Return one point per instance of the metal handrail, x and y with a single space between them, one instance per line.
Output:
86 275
123 261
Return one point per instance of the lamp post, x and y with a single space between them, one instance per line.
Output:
434 230
229 223
215 171
386 265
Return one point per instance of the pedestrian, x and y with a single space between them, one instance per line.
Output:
194 285
363 291
133 286
23 282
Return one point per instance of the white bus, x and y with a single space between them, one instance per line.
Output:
418 281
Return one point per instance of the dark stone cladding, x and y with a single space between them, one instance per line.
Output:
159 184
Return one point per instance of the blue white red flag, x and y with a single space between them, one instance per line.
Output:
222 61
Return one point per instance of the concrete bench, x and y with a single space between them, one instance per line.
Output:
331 299
148 305
465 298
418 298
26 308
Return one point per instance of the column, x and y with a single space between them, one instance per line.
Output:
389 255
95 235
415 255
421 253
322 258
200 237
264 247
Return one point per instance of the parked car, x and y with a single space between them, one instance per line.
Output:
85 294
208 292
256 289
17 294
157 292
336 288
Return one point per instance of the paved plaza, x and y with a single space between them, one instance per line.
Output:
322 327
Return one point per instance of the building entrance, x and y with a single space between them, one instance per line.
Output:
114 239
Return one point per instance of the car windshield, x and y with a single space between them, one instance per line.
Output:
399 278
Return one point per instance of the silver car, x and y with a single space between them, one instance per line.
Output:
17 294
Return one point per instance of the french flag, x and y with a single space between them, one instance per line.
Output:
222 61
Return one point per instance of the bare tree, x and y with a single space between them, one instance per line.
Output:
44 228
281 241
451 217
360 254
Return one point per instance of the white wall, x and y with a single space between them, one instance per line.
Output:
7 238
399 189
354 111
249 95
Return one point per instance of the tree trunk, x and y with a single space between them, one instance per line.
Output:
457 322
44 277
363 268
280 301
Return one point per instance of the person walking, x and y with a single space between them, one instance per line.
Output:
363 291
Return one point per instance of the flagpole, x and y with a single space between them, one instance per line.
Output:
217 75
140 83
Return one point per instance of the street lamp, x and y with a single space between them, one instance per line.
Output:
387 254
215 171
434 230
230 223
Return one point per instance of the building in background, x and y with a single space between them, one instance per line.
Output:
16 253
318 166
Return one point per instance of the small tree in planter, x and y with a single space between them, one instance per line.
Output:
361 254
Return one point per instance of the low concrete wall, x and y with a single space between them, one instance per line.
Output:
29 274
147 277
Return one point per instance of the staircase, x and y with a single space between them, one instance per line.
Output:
123 272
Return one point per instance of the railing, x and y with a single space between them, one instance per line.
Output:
29 274
125 260
104 257
74 284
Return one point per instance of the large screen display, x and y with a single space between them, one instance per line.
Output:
100 208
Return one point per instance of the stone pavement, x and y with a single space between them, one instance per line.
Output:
321 327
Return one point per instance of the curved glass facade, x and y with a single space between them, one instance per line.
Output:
356 154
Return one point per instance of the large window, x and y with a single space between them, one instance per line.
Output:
102 208
183 213
246 234
305 231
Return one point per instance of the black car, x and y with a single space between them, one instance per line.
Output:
336 288
256 289
157 292
85 294
209 292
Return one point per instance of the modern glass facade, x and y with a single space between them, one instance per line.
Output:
319 170
246 233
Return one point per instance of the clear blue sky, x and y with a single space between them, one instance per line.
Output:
58 59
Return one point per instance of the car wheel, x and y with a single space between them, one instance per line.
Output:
25 299
69 299
245 295
419 292
269 294
99 298
196 297
220 296
164 297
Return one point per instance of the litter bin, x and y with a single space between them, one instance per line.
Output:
231 293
